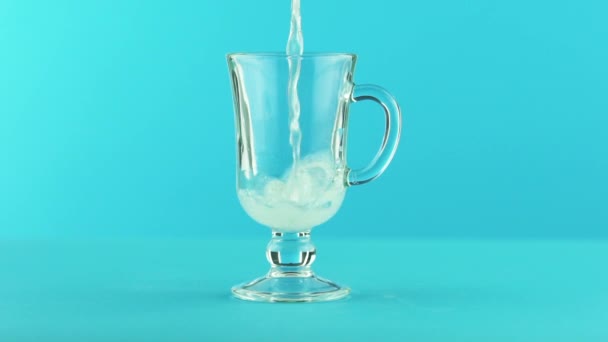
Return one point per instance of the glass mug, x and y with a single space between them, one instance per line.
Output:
293 195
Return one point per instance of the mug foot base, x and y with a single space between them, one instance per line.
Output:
290 288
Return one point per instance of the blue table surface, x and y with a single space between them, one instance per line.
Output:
403 290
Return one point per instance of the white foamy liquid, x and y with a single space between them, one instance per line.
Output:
306 196
294 50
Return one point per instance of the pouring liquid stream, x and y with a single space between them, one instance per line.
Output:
294 50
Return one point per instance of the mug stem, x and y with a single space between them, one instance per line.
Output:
290 278
290 254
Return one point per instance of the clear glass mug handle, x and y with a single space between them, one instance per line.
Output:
391 134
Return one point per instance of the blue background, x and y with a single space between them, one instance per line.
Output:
116 116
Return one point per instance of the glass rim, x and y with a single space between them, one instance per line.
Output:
285 55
